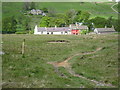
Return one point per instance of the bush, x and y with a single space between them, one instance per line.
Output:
84 32
20 32
31 32
99 22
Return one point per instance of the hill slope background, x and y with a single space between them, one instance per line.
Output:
102 9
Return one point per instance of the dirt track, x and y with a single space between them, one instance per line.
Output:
67 66
65 63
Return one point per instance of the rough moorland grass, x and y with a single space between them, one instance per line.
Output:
33 70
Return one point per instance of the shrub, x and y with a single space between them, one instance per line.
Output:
99 22
31 32
84 31
20 32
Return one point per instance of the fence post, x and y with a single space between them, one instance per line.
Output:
23 47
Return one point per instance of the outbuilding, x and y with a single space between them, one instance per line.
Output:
104 30
77 29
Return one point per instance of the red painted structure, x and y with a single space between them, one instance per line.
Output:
75 31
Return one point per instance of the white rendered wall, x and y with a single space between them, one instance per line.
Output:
45 32
66 33
96 31
57 33
35 30
38 33
69 32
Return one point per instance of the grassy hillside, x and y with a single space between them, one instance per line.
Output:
11 8
101 9
88 61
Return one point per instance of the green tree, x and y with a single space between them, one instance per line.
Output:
70 15
32 5
116 25
45 10
27 24
5 26
26 6
19 27
99 22
45 21
9 25
13 24
82 16
109 22
78 12
58 22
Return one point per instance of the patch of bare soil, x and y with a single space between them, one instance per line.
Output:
58 41
59 64
67 66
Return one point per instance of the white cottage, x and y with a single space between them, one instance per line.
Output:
52 30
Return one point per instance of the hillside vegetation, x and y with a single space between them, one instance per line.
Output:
96 9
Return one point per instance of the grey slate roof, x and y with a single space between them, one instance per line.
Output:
53 29
40 29
105 30
82 27
79 27
60 29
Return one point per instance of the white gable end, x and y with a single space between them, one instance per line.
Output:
35 30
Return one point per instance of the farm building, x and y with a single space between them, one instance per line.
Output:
104 30
52 30
60 30
77 29
37 12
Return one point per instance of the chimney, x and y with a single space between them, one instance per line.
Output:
105 26
112 26
70 26
45 28
76 24
36 30
80 24
55 26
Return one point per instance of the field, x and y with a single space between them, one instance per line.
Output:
99 9
83 61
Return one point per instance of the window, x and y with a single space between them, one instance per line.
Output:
73 33
65 31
